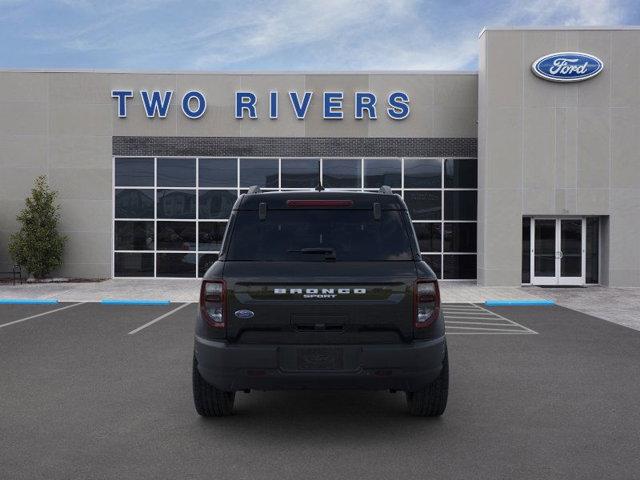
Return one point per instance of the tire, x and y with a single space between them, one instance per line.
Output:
208 400
431 401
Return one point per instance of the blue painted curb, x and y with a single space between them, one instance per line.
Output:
110 301
518 303
28 301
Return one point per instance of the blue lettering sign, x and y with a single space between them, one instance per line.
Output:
273 105
300 108
122 96
156 105
200 100
398 105
332 105
365 101
246 101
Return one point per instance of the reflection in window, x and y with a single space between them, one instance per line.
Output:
341 173
460 237
210 236
300 173
422 173
176 172
382 171
218 172
460 205
216 203
176 203
134 203
205 261
262 172
134 172
429 236
133 236
176 235
424 205
435 262
176 264
133 264
460 173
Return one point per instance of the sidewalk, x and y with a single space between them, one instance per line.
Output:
618 305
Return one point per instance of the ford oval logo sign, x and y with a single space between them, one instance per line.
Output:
244 314
567 66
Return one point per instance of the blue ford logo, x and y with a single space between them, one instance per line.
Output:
567 66
244 313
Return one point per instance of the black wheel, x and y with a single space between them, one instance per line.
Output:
209 401
431 401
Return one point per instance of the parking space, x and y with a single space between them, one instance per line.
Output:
84 397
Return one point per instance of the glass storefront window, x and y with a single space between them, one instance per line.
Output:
341 173
593 247
179 221
526 250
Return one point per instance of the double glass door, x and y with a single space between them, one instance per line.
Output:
558 251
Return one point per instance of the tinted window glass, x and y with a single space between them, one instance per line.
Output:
592 254
425 205
205 261
422 173
133 264
176 235
176 204
259 171
134 203
429 237
461 173
341 173
216 203
300 172
210 236
176 264
133 236
460 205
176 172
460 237
134 172
378 172
435 262
526 250
459 267
218 172
353 235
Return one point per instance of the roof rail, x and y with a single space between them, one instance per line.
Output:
386 189
253 189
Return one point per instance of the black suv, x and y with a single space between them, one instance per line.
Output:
320 290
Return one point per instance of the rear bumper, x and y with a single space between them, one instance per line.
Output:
286 367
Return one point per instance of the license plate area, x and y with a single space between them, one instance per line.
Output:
319 358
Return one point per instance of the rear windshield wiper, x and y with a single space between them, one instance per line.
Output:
329 253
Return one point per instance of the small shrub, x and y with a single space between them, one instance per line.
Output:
37 246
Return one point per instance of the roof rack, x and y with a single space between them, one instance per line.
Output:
386 189
253 189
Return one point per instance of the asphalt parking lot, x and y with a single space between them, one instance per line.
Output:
91 391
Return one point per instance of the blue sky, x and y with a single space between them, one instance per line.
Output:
274 35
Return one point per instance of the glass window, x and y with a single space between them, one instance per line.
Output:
176 172
424 205
460 205
346 235
262 172
133 236
341 173
435 262
134 172
134 203
176 264
593 241
422 173
176 203
460 173
216 203
205 261
460 267
133 264
210 236
176 235
378 172
429 237
526 250
218 172
300 172
460 237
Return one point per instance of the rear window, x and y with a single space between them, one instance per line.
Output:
320 235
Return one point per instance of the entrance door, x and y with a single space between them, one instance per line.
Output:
558 251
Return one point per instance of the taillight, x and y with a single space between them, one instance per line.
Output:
426 303
212 302
319 203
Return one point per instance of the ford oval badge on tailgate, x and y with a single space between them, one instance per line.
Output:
567 66
244 313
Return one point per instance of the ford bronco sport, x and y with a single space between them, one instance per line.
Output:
320 290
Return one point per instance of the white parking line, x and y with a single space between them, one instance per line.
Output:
510 321
159 318
40 314
472 319
480 323
485 329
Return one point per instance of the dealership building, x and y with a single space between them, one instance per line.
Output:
524 172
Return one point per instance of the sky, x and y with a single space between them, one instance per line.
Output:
277 35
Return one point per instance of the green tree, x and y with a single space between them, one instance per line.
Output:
38 246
